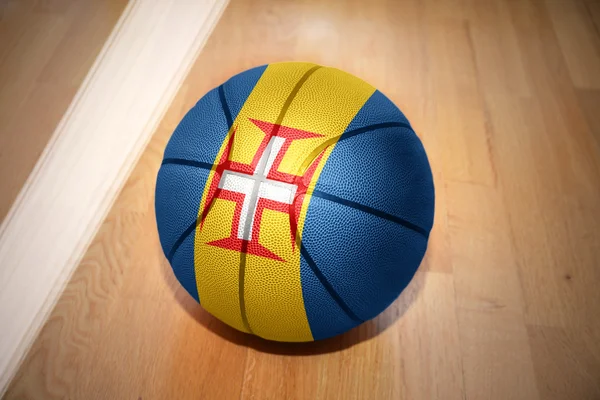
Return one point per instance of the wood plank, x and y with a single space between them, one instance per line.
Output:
461 128
578 40
500 67
46 50
566 367
489 298
431 343
589 101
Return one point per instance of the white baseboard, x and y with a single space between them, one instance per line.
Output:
90 155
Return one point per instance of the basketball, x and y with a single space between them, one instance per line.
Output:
294 202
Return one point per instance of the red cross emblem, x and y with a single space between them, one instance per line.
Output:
258 186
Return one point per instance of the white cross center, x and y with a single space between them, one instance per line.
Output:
257 186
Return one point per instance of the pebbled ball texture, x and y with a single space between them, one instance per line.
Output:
314 261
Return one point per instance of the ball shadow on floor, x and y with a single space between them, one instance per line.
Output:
361 333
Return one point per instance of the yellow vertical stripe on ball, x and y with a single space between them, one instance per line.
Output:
325 104
217 269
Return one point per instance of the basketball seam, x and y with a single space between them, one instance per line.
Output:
373 127
181 239
225 107
372 211
186 162
321 277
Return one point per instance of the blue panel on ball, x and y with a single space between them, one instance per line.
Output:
199 136
179 190
238 88
378 109
202 131
385 169
325 317
367 260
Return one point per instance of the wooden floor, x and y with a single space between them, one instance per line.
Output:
506 98
46 49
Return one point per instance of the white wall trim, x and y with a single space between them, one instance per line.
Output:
88 159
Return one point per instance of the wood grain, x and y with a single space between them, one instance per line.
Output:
46 50
505 306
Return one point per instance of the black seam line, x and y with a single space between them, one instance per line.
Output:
225 107
190 163
372 211
284 109
183 236
313 266
293 93
332 141
241 276
373 127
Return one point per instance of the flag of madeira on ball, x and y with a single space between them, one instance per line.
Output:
294 202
